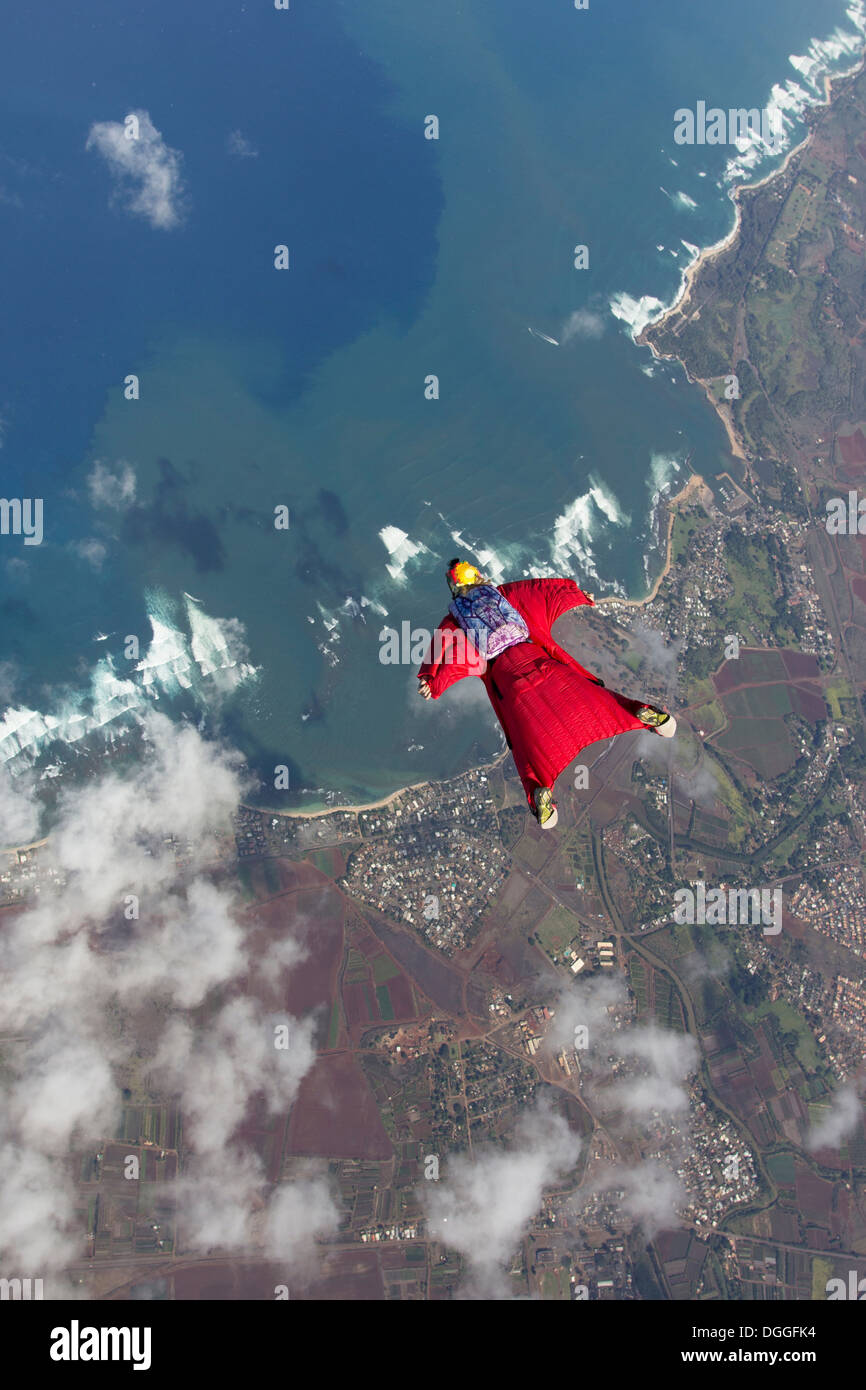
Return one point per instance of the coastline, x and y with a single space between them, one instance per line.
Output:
696 484
298 813
709 253
724 413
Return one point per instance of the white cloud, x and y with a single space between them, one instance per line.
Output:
659 1061
239 145
147 170
481 1205
92 551
216 1072
840 1121
583 323
71 965
227 1206
298 1212
113 488
665 1060
19 815
650 1193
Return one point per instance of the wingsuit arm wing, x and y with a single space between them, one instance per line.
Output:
552 596
561 595
450 657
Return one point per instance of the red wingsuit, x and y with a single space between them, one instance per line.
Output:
549 706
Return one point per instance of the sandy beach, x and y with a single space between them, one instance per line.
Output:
694 487
724 413
297 813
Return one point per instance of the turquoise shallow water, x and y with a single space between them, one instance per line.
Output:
305 388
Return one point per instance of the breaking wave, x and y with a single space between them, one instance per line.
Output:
401 549
194 653
786 108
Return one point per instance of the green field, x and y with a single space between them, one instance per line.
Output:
764 743
271 875
754 667
668 1012
759 702
673 941
753 592
325 861
685 526
383 998
709 717
839 690
555 1284
384 969
822 1271
245 878
557 928
782 1169
790 1021
767 701
637 979
730 797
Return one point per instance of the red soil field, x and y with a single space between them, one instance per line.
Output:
343 1275
401 997
809 703
335 1113
297 875
434 976
852 447
365 942
233 1279
350 1275
814 1196
751 668
356 1004
313 917
800 665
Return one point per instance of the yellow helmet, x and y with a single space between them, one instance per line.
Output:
462 573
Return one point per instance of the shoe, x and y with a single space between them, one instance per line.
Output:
658 720
544 810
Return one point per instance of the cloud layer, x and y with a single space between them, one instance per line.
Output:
146 931
146 170
482 1205
842 1119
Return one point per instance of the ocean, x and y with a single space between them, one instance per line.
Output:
431 375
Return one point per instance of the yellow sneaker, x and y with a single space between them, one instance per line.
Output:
545 811
658 720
